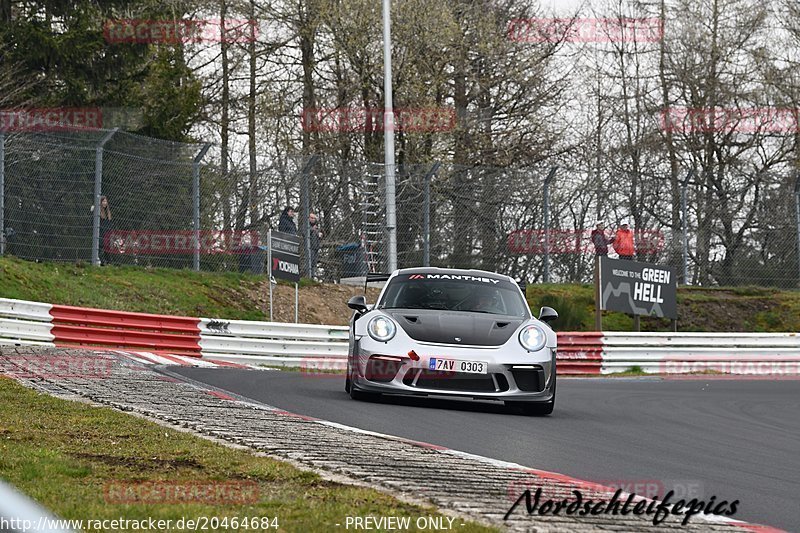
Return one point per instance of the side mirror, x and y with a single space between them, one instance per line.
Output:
547 314
358 304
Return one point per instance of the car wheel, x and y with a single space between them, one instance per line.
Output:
363 396
536 408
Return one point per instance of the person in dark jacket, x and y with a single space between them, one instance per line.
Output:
600 240
105 228
286 221
315 238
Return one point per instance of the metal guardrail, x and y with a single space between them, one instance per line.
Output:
25 323
680 352
271 342
81 326
320 346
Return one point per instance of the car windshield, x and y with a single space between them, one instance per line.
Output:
464 293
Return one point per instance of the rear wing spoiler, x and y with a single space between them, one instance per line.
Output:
373 276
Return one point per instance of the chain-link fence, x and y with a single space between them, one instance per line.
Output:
116 198
98 196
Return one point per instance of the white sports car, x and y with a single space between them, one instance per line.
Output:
453 333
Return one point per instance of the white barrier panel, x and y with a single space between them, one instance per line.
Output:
25 310
271 330
315 363
21 333
270 342
271 347
778 340
767 354
25 323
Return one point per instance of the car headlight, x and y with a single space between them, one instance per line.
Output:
532 338
381 328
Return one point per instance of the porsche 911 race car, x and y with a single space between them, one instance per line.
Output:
453 333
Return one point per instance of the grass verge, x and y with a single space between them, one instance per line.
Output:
91 463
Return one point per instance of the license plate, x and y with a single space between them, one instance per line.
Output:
454 365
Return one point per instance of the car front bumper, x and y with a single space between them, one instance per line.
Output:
512 373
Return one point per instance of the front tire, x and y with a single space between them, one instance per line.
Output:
536 408
357 394
362 396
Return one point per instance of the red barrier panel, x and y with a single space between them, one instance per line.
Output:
579 352
82 326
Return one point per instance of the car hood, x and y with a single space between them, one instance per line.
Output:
476 329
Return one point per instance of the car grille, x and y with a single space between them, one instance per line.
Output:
456 381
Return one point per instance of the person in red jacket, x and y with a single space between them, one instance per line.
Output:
623 241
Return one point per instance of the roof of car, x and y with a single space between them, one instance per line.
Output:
452 271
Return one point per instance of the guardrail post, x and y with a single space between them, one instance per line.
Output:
797 215
196 204
305 209
2 192
426 215
98 191
684 228
547 181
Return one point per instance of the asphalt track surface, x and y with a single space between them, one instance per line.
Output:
735 439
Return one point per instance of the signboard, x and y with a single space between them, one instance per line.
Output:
285 256
638 288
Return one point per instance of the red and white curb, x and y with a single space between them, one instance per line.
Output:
152 358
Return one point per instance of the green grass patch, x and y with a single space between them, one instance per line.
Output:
77 460
147 290
632 371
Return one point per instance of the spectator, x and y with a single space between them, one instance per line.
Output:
286 221
623 241
105 228
600 239
315 236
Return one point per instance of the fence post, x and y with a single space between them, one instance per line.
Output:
797 215
2 193
305 209
685 226
426 215
98 191
196 205
547 181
